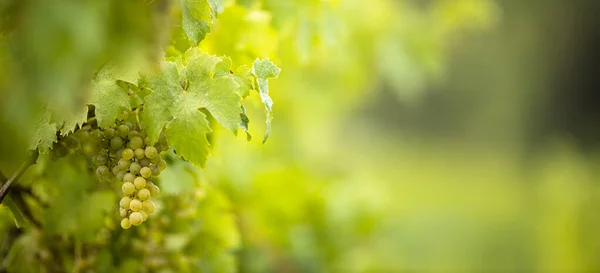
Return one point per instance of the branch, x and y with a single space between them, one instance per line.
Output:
33 155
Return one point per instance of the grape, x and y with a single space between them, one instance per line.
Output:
162 165
144 162
124 164
147 141
136 142
128 188
146 172
86 128
125 223
127 154
143 194
124 203
135 205
98 134
139 182
109 133
139 153
120 175
148 206
129 177
99 160
155 170
133 133
116 170
154 190
151 152
144 215
136 218
124 115
135 168
128 124
123 212
123 130
102 170
116 143
155 160
89 148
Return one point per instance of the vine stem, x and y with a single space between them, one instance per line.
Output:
33 155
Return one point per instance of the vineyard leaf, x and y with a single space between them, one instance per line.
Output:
244 124
263 70
158 105
109 98
16 211
243 76
217 90
45 133
187 131
196 18
67 121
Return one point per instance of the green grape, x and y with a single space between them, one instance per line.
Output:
155 170
139 182
98 134
136 218
123 130
135 168
116 143
147 141
143 194
89 148
155 160
116 170
128 124
139 153
86 128
127 154
148 206
133 133
128 188
136 142
102 170
129 177
124 202
144 162
118 154
146 172
109 133
125 223
124 163
162 165
123 212
144 215
99 159
124 114
151 152
154 190
120 175
135 205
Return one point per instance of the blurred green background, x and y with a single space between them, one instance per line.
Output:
408 136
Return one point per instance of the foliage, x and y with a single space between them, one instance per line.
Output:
200 70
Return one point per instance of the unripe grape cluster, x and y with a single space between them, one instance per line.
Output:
124 153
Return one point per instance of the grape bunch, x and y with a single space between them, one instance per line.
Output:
123 153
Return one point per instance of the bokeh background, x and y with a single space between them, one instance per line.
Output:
408 135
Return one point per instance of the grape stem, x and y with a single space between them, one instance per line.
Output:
33 155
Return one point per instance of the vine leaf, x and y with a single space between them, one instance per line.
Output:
187 131
45 133
196 19
217 90
263 70
17 213
67 121
109 98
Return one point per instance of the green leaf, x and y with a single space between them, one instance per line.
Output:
244 124
263 70
165 86
243 76
12 206
109 98
45 133
217 90
67 121
187 131
196 19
